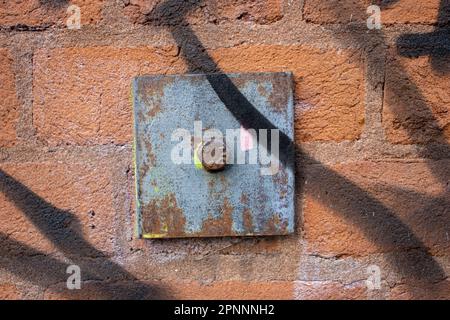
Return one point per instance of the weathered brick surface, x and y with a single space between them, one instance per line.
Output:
421 291
398 12
52 206
226 290
8 100
417 100
101 290
407 195
232 290
9 292
236 290
249 266
82 95
77 101
71 91
212 11
37 13
328 290
329 86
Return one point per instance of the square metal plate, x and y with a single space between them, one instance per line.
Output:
183 200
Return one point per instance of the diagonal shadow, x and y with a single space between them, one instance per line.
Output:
349 199
38 268
63 229
435 44
171 14
407 117
54 3
431 133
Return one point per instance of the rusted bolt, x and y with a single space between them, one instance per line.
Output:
213 155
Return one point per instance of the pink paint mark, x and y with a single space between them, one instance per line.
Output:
246 140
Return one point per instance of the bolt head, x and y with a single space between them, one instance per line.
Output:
213 155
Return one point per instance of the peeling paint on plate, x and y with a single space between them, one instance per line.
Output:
185 201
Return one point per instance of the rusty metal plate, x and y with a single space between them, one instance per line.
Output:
180 198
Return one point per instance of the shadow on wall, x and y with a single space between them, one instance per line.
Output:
54 3
435 44
108 280
349 199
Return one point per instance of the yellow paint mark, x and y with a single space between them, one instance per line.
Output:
138 228
154 235
198 164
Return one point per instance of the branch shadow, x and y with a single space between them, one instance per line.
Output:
435 44
63 229
420 123
54 4
350 200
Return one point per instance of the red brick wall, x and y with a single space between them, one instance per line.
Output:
372 129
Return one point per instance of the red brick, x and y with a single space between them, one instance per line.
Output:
328 290
9 104
421 291
329 86
227 290
80 192
35 13
232 290
107 290
417 101
81 95
212 11
414 12
341 220
9 292
235 290
402 11
264 245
